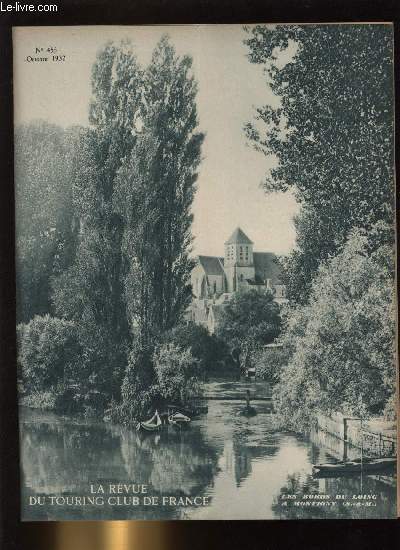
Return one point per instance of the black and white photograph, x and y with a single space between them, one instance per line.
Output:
205 271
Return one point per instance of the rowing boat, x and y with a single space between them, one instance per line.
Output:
178 420
366 466
151 425
194 410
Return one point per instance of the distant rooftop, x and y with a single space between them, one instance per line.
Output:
239 237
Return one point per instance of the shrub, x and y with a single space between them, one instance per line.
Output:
45 400
269 363
48 352
178 374
210 351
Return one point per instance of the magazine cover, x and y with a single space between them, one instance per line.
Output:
205 234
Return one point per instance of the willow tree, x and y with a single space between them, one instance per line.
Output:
331 131
154 195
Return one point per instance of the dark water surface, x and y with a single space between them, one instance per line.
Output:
244 468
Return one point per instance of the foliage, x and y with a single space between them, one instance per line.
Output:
391 408
316 239
154 195
269 363
45 221
123 199
48 352
137 387
342 342
63 398
170 374
45 400
90 292
209 350
334 88
248 321
177 374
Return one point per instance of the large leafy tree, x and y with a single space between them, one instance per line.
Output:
341 344
332 133
45 221
91 291
250 320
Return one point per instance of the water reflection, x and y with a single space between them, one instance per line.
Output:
241 465
63 457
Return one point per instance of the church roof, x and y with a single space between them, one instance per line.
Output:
212 265
265 267
238 237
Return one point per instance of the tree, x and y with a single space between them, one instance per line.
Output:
205 347
154 195
342 342
250 320
45 222
177 374
332 133
91 291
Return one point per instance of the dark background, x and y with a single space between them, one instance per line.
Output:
248 535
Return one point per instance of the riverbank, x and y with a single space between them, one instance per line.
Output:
376 437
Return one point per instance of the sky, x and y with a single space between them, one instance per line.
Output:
230 87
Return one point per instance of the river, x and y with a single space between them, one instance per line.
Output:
243 467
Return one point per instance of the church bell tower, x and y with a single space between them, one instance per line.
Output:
238 260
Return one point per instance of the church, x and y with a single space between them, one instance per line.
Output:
215 279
